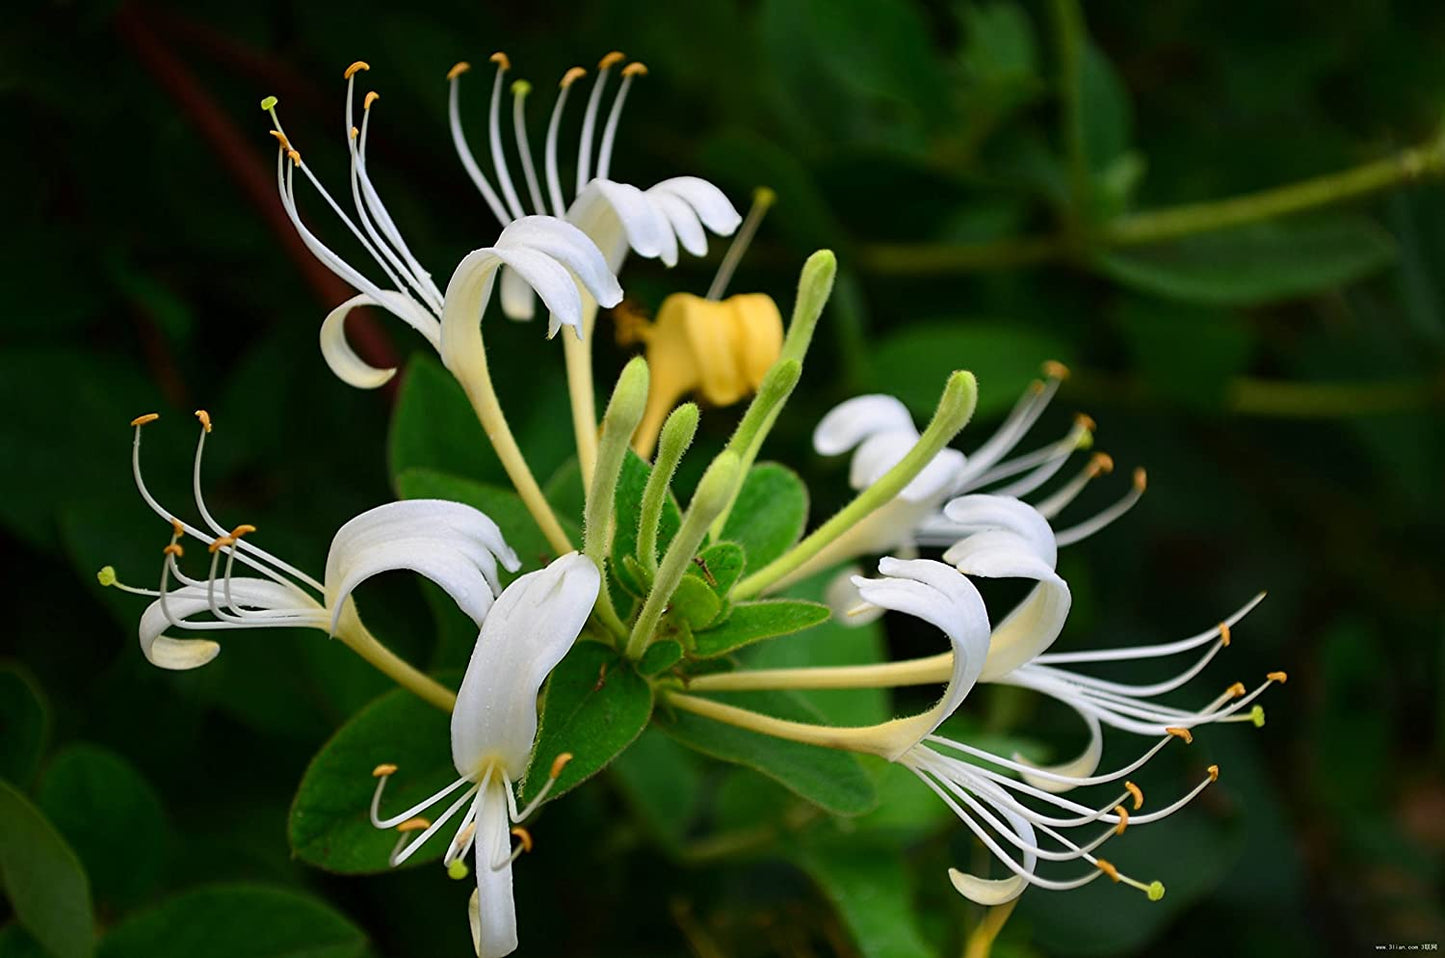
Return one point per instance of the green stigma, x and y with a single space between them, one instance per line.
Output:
458 870
521 88
1086 441
1256 715
106 576
269 104
1155 891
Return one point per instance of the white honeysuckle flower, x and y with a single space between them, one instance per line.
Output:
538 248
530 628
618 217
880 431
450 543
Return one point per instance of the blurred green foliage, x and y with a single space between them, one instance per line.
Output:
992 176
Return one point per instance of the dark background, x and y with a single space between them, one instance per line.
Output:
1282 385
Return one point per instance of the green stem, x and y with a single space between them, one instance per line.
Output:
709 499
954 409
624 412
1069 38
1261 397
677 435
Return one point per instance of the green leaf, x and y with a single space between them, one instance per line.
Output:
720 567
433 426
1255 264
43 880
869 885
504 507
237 921
833 780
329 825
24 725
694 603
15 942
663 782
628 505
770 513
659 657
912 364
593 706
754 621
111 816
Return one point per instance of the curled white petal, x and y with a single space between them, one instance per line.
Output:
343 360
710 203
852 421
518 301
249 593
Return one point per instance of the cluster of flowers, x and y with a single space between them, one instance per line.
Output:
913 493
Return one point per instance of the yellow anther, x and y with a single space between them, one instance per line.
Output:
205 419
501 60
174 549
458 870
1123 814
1213 771
611 59
220 544
1086 421
1280 677
523 836
1183 733
1141 479
369 99
572 76
281 138
269 104
559 763
1101 464
465 835
458 69
355 132
244 529
1036 387
106 576
356 68
383 770
414 825
1056 370
294 157
1224 635
178 527
1107 868
142 420
1138 794
1235 690
635 69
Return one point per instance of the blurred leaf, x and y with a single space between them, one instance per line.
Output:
754 621
770 513
237 921
1161 334
433 427
24 725
111 816
868 884
43 880
503 506
913 363
329 825
830 779
663 782
1255 264
1108 115
16 943
564 491
744 160
593 706
999 45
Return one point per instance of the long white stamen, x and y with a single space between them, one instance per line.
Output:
763 199
1040 773
464 152
1099 464
494 137
1090 526
1020 420
558 764
520 89
554 181
1071 851
1152 651
609 134
434 827
422 806
1140 691
589 120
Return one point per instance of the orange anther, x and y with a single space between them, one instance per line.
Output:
356 68
220 544
369 99
501 60
1123 814
174 549
355 132
523 836
382 770
1235 690
572 76
294 157
142 420
1101 464
1056 370
178 527
1107 868
281 138
205 419
1183 733
458 70
1086 421
244 529
417 824
610 59
1280 677
1036 387
1213 771
559 763
635 69
1141 479
1224 635
1138 794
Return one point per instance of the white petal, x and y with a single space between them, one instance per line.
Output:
604 204
847 603
854 420
343 360
530 628
518 302
249 593
997 891
465 299
684 221
494 923
712 205
877 454
978 512
1086 763
569 246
